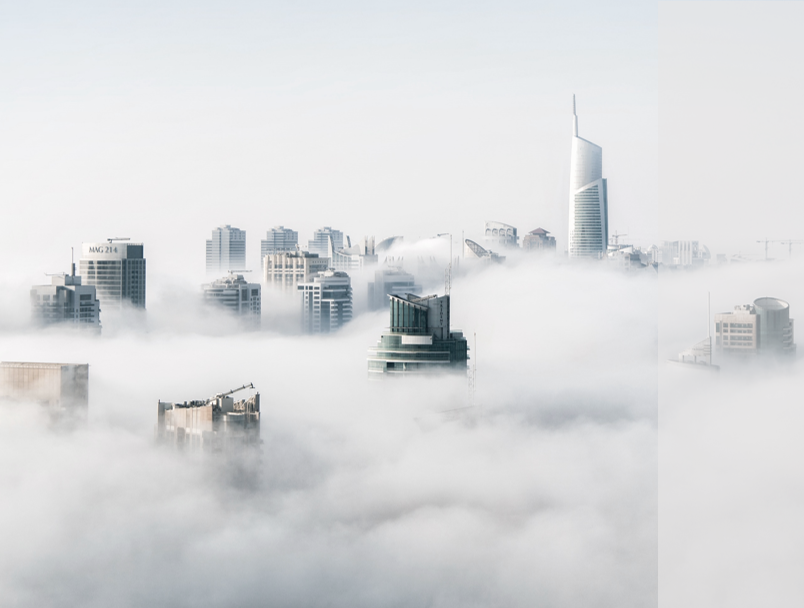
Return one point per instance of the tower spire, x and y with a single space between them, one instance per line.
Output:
574 118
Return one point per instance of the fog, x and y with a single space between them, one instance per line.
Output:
545 493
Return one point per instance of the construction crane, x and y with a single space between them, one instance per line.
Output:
766 241
234 390
790 246
615 237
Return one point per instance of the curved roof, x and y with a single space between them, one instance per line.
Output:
386 244
493 224
476 249
771 303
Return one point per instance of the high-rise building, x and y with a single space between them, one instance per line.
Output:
279 240
226 250
117 271
286 270
764 327
419 339
538 240
236 295
61 387
389 281
588 198
326 302
324 241
497 234
65 300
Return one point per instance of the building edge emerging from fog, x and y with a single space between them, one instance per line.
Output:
762 328
117 271
588 198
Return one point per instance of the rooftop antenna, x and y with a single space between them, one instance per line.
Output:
574 118
72 259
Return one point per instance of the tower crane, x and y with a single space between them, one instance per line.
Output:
766 241
790 245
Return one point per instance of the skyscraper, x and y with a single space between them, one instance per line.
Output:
226 250
326 302
117 270
279 240
325 241
65 300
588 199
286 270
238 296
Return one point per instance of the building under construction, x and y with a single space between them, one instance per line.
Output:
217 424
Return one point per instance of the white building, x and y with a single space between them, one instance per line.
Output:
497 234
355 257
389 281
683 254
65 300
226 250
286 270
325 240
473 251
236 295
326 302
117 271
588 198
279 240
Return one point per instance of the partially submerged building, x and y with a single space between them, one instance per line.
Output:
419 339
473 251
761 328
61 387
286 270
216 424
66 300
237 296
389 281
326 302
498 234
539 240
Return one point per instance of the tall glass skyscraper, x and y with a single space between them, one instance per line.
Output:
588 199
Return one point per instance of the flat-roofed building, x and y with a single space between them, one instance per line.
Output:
117 271
226 250
389 281
62 387
326 302
279 240
237 296
324 241
539 240
66 301
737 332
286 270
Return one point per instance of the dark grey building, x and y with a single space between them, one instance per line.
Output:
65 300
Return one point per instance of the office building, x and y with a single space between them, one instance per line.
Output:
355 257
497 234
762 328
237 296
286 270
65 300
63 388
325 241
219 424
588 198
419 339
117 271
326 302
226 250
539 240
683 254
279 240
473 251
389 281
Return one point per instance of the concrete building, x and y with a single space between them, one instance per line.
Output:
279 240
588 198
497 234
65 300
117 271
325 240
355 257
762 328
237 296
683 254
286 270
326 302
473 251
218 424
389 281
226 250
539 240
61 387
419 339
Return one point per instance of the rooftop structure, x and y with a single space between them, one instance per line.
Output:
237 296
326 302
279 240
325 240
539 240
473 251
500 235
226 250
286 270
62 387
117 271
588 197
66 300
386 244
355 257
683 254
218 424
419 339
762 328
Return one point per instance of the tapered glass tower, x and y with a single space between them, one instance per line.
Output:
588 200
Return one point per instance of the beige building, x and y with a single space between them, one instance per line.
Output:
737 332
62 387
286 270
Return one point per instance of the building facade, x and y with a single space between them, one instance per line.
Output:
539 240
117 271
286 270
355 257
226 250
497 234
326 302
324 241
237 296
279 240
683 254
65 300
764 327
61 387
419 339
389 281
588 198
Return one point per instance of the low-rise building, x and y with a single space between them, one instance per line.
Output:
419 339
326 302
66 300
237 296
61 387
497 234
539 240
284 271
